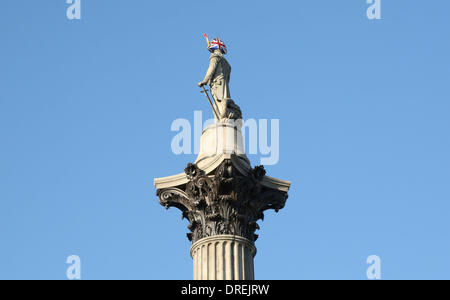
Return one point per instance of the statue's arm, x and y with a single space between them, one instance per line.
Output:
212 68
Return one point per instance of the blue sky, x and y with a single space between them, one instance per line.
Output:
85 113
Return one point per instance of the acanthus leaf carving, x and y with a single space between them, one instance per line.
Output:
225 202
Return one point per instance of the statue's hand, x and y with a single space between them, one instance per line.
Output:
200 84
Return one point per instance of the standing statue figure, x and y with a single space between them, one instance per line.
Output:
218 78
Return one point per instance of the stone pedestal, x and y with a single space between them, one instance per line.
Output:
222 138
223 257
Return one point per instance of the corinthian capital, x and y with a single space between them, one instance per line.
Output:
225 201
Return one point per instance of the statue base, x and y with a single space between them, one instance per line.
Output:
222 138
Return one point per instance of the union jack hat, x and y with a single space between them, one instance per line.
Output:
215 44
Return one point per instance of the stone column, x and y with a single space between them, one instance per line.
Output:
223 257
223 197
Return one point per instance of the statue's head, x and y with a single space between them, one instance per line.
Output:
216 44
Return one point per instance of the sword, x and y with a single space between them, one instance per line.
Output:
216 113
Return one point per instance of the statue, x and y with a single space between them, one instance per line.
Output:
221 195
218 78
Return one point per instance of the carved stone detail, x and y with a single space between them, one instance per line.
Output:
224 202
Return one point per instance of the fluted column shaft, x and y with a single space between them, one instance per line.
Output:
223 257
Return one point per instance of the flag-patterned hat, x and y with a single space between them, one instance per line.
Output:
216 44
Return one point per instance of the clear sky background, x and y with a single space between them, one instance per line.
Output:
86 108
